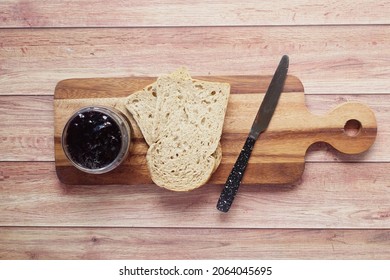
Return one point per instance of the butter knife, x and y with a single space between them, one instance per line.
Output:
259 125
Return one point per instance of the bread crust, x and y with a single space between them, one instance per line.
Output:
184 129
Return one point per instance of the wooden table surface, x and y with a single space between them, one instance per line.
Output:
340 50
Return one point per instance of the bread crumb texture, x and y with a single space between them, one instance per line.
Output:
181 119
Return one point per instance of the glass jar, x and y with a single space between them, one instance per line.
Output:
96 139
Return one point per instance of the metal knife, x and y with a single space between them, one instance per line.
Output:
260 124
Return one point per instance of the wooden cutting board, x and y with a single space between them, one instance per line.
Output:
278 156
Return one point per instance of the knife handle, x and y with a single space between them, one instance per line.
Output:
234 180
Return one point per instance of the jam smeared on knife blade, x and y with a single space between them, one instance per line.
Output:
93 139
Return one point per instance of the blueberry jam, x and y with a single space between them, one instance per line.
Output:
93 139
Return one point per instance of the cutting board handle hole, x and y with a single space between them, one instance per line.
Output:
352 127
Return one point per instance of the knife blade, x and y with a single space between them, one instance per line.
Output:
260 124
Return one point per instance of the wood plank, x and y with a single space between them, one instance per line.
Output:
161 243
336 59
27 130
83 13
342 195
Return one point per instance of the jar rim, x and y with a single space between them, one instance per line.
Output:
125 131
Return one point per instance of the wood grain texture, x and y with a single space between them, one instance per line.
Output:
27 130
83 13
278 157
339 49
333 61
342 195
176 243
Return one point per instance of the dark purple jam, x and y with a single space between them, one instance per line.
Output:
93 139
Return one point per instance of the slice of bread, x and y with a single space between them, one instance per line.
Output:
150 107
143 105
188 127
